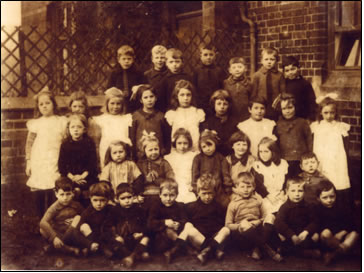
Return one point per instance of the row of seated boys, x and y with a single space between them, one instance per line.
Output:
129 232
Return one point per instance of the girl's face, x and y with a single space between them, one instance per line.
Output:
76 129
152 151
182 145
184 98
240 148
118 153
288 110
114 105
78 107
148 100
208 147
328 112
45 106
265 153
221 107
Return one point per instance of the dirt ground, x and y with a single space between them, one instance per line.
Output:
21 249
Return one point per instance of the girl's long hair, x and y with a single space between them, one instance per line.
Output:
273 147
117 143
179 85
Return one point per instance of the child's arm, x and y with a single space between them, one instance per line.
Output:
105 173
28 149
308 135
196 165
166 131
167 172
282 84
132 136
229 219
225 169
156 223
259 182
138 185
47 229
281 223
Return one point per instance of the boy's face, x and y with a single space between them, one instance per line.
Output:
64 197
168 197
78 107
206 196
295 192
208 147
148 99
257 111
309 165
76 128
237 70
114 105
240 148
45 105
158 60
328 198
174 65
221 107
268 60
182 144
98 202
152 151
125 200
291 72
125 61
207 56
118 153
244 188
288 110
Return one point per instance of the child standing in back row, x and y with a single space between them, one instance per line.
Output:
157 72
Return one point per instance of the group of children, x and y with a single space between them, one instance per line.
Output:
177 159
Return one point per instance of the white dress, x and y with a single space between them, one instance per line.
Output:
256 130
113 127
187 118
274 177
328 145
45 151
182 168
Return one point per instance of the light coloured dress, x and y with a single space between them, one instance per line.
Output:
182 168
274 177
328 145
113 127
44 155
187 118
256 130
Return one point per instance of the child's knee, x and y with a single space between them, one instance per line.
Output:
325 234
315 237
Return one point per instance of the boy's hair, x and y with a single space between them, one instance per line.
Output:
122 188
294 181
245 177
208 46
45 91
308 155
273 147
182 132
142 88
257 99
174 53
159 49
81 96
125 146
237 60
324 185
126 50
63 183
270 50
170 185
100 189
206 182
179 85
290 60
286 99
208 135
220 94
239 136
114 92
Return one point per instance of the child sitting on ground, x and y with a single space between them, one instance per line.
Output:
155 74
129 222
208 232
167 219
59 217
257 127
296 222
336 227
239 87
245 219
311 176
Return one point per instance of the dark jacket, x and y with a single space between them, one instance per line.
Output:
154 77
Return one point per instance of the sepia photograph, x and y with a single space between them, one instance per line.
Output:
181 136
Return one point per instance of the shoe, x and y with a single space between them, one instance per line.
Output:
203 255
71 250
256 254
219 254
108 253
311 253
145 256
275 256
128 261
84 252
329 257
